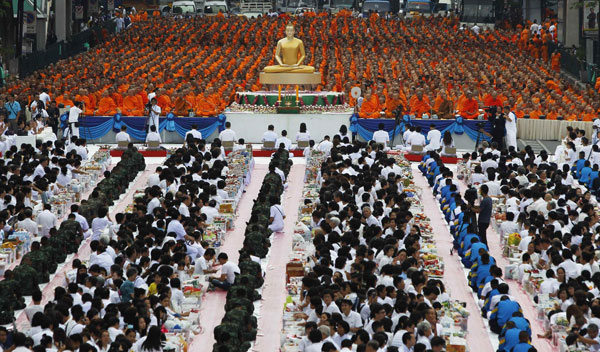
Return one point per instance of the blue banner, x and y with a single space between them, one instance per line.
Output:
94 127
365 127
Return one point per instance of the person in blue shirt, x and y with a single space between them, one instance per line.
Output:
502 313
523 345
593 175
488 300
579 165
521 323
509 337
586 173
14 110
473 253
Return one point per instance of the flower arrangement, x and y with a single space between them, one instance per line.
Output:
514 239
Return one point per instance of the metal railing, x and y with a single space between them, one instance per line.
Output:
78 43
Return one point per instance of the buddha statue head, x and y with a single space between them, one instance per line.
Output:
290 31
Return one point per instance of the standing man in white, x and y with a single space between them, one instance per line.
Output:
511 127
434 137
74 113
155 111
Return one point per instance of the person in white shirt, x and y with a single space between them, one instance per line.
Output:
155 112
154 179
415 138
228 272
154 202
45 97
47 220
40 168
123 136
203 265
194 133
153 136
511 127
287 143
100 223
325 146
434 137
210 211
270 135
227 135
27 223
175 225
381 136
303 134
276 215
74 113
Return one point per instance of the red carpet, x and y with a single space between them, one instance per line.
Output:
266 153
417 157
117 153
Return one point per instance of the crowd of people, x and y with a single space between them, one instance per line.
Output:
551 204
366 289
119 298
422 65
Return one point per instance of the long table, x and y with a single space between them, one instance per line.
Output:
251 126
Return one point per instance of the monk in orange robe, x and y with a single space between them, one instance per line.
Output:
164 101
106 105
131 105
182 106
419 104
492 99
370 108
392 103
469 108
555 61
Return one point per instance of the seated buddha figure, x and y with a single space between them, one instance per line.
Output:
289 54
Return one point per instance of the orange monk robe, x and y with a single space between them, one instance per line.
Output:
469 109
535 114
182 107
489 101
391 104
93 102
437 102
551 115
520 113
85 99
106 106
370 109
132 106
118 98
418 107
571 117
597 85
555 62
164 101
204 106
123 88
588 117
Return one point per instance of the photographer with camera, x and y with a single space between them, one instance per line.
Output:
498 122
74 113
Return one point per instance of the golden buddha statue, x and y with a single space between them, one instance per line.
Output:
289 54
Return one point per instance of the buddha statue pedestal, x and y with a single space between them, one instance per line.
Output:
296 79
